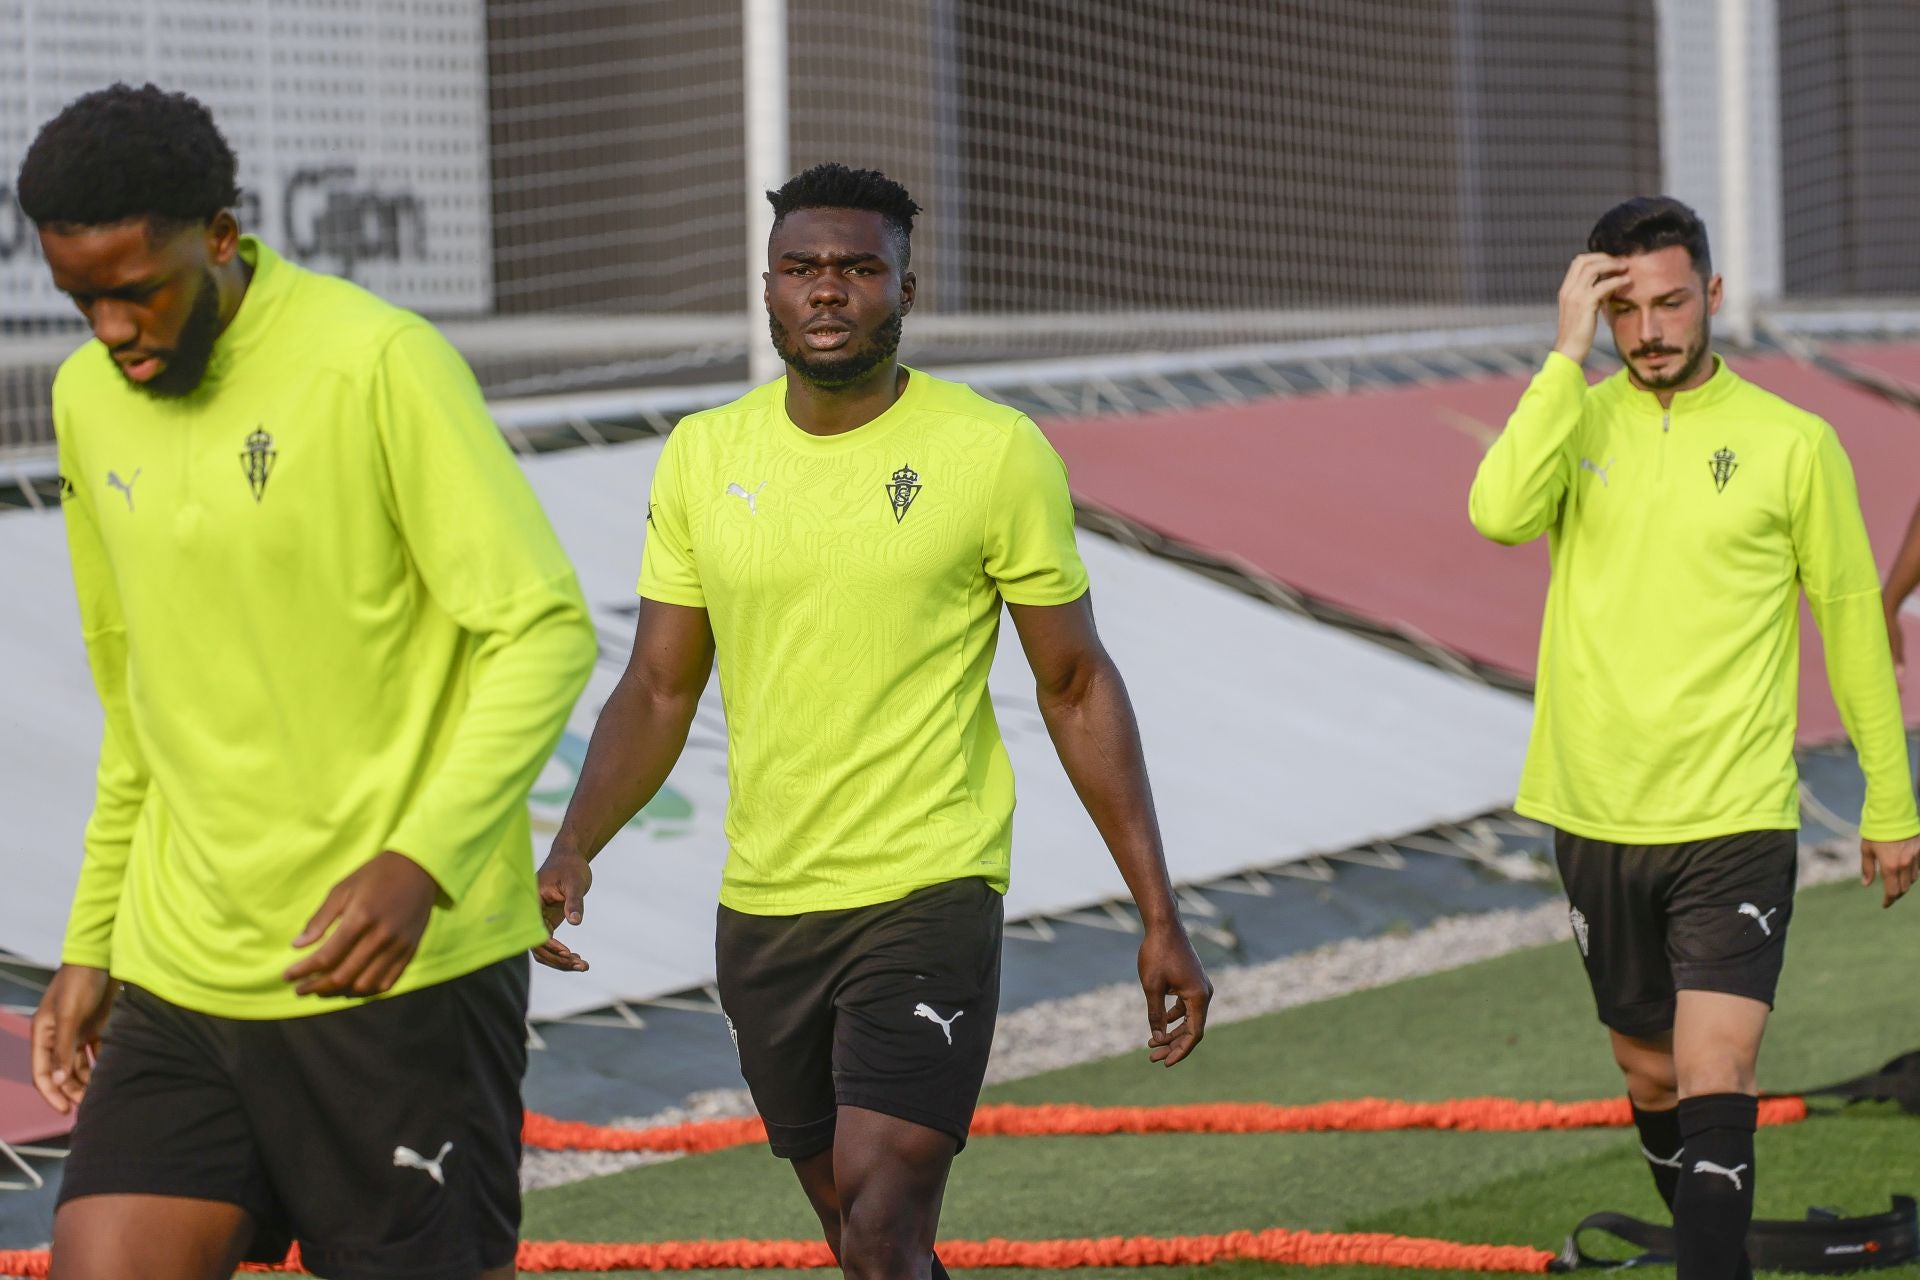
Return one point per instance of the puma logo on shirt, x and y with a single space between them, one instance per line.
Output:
740 491
124 486
1588 464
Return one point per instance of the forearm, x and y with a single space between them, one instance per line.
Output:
1904 576
1860 673
1094 732
1516 492
639 736
527 675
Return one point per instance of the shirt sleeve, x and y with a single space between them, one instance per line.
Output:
667 569
1843 591
1030 550
121 779
487 555
1517 492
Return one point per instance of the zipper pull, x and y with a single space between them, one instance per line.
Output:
1666 420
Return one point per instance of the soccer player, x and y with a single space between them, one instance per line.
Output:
1685 510
843 539
334 638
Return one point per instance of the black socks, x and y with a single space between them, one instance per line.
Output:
1714 1204
1660 1144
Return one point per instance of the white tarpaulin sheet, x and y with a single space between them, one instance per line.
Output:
1269 738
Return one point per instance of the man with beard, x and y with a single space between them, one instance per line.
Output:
842 540
1685 510
335 639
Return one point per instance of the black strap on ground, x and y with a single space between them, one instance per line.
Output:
1822 1242
1898 1081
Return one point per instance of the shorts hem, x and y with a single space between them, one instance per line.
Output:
1640 1028
803 1140
1703 978
152 1178
957 1130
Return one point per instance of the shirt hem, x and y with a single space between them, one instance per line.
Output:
283 1007
1679 833
686 600
755 905
1043 599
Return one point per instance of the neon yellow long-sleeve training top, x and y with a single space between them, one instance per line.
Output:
326 617
1669 656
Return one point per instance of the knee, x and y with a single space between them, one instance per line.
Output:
1652 1082
871 1250
1717 1073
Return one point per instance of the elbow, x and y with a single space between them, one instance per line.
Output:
1505 527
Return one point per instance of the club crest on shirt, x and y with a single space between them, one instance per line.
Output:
902 489
257 460
1723 467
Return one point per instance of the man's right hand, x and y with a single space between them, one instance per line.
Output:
1590 280
66 1033
565 878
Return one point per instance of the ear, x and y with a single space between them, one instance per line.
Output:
909 285
1713 295
223 238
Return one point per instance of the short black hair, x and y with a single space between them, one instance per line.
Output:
122 153
835 186
1646 223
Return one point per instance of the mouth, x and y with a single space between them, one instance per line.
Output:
826 335
144 369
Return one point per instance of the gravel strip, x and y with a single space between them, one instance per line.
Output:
1110 1020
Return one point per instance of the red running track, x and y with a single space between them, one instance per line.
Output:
1361 500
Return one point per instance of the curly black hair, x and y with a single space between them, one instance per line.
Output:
835 186
1646 223
121 153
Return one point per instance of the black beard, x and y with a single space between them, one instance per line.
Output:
193 351
836 369
1687 369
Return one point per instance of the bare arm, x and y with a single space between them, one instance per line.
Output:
1902 578
635 743
1090 719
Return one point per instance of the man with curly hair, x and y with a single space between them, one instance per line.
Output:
335 639
842 541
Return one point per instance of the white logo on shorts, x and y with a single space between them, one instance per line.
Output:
408 1158
946 1024
1748 909
1579 928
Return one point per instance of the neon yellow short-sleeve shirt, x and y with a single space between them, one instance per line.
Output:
854 583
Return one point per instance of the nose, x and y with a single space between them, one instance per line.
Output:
1650 327
112 322
828 290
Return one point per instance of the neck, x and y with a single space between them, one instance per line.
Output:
831 411
1709 365
232 281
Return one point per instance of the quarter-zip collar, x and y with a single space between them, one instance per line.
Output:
1715 391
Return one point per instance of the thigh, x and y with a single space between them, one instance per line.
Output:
163 1118
110 1237
775 976
915 1015
402 1157
1616 896
1731 904
891 1178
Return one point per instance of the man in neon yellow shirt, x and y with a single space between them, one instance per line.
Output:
1686 510
335 639
843 539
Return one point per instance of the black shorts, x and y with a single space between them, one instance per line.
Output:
890 1008
1652 919
385 1138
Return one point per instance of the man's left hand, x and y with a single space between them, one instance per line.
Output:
1896 860
376 915
1168 966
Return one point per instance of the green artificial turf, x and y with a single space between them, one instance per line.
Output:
1518 1026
